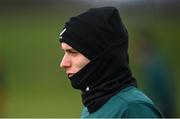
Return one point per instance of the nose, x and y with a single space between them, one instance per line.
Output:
65 62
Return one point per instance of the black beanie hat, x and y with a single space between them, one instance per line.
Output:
94 30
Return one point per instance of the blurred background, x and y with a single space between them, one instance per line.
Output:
33 85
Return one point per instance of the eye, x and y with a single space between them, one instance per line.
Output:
73 53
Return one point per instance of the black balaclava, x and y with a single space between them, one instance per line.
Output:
99 35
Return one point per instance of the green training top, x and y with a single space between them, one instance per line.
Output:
128 103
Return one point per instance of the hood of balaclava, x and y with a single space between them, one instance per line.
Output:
100 35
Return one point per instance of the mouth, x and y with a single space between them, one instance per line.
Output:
70 74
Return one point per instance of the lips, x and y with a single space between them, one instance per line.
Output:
70 74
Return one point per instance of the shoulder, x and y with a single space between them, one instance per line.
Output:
141 110
130 95
137 104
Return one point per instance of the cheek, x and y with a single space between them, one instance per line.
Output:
80 63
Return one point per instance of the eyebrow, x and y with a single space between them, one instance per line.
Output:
69 49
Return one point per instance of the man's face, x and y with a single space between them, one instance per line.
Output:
72 60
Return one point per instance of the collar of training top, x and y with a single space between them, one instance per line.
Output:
100 35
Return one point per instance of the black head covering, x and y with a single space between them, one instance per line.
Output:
100 35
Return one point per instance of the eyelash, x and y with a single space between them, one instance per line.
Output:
73 52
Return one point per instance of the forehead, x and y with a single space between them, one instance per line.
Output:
65 46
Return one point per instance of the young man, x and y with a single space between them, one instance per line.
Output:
95 44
